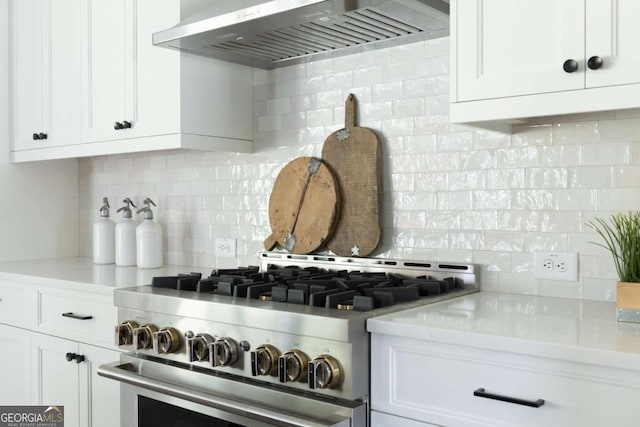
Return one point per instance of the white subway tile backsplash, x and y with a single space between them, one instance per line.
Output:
367 76
492 261
398 127
435 181
550 288
472 180
531 135
478 220
518 283
517 157
591 177
620 130
538 242
504 241
561 155
505 178
531 200
408 107
339 80
627 199
576 200
454 200
576 133
606 154
598 289
468 240
491 199
451 192
398 71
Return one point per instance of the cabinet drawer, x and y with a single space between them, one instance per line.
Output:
378 419
18 305
83 317
435 383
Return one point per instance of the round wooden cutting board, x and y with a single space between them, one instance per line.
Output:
303 207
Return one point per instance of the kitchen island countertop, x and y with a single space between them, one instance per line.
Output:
566 329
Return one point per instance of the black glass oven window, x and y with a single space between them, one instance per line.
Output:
153 413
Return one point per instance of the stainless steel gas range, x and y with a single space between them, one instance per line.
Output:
282 344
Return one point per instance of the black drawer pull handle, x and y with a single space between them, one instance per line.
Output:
533 403
76 316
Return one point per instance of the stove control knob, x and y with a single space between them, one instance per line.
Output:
292 366
264 361
124 332
166 340
223 352
143 336
324 372
198 347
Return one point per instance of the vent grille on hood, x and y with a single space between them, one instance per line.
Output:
318 29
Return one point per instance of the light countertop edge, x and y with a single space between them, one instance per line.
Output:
83 274
556 328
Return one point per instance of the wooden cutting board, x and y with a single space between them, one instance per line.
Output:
303 207
353 154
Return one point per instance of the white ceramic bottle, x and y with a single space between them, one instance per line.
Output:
148 239
126 236
104 251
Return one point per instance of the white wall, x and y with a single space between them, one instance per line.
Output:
450 192
38 202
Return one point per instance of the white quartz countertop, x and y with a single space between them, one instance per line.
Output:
79 272
573 330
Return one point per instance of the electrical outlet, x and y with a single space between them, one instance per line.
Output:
225 248
556 266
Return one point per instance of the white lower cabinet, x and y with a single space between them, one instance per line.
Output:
15 372
458 385
58 379
379 419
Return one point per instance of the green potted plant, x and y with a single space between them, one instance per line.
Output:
621 235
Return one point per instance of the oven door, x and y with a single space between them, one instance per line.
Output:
157 394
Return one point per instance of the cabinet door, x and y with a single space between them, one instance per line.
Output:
14 370
62 118
26 72
46 72
55 380
105 68
508 48
153 86
613 35
100 399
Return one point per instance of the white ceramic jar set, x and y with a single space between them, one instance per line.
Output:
127 243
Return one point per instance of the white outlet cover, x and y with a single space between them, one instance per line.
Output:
225 247
564 266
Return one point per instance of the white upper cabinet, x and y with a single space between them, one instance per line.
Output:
508 48
45 73
132 96
512 60
614 38
141 97
106 68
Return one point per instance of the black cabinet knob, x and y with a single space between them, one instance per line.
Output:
36 137
570 66
595 62
117 125
126 125
42 135
79 358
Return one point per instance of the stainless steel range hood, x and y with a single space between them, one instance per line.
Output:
278 33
